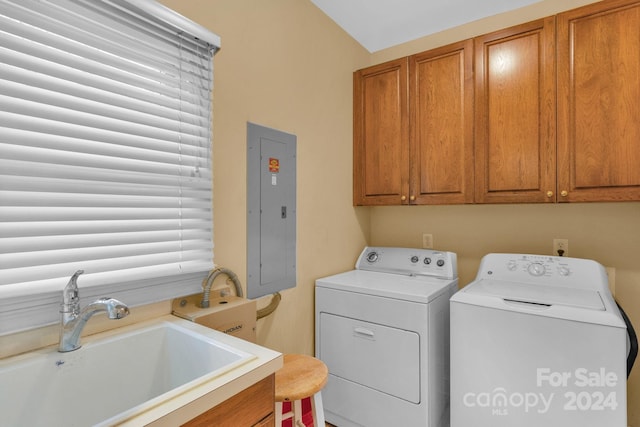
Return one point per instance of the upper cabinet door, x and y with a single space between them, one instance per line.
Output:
441 103
515 114
381 135
599 102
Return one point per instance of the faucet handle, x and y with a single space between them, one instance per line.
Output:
70 295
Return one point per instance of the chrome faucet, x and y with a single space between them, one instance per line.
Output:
73 320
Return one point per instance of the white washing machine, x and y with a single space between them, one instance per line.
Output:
383 332
538 341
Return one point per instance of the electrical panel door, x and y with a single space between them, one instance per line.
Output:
271 211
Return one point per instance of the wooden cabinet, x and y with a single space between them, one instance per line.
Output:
553 115
441 125
381 134
597 115
515 154
253 407
599 102
413 129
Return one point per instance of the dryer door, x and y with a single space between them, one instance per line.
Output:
384 358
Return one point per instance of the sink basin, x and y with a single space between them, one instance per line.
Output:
111 376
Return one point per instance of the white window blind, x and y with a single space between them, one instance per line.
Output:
105 154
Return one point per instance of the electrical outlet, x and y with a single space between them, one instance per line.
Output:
427 241
561 247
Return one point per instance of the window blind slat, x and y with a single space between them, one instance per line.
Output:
23 192
105 154
47 170
53 278
16 120
98 255
46 243
11 213
151 164
66 228
89 200
193 147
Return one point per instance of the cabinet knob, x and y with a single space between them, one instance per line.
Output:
564 193
403 198
549 194
412 198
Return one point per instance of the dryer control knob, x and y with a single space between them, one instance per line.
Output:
440 262
427 260
415 259
372 256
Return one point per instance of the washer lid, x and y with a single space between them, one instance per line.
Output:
539 294
420 289
580 305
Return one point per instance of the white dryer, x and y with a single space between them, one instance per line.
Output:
383 332
538 341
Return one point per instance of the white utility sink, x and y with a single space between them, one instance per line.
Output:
112 376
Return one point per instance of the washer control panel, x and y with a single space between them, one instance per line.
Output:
543 280
556 270
530 265
409 261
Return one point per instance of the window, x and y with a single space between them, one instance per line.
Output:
105 154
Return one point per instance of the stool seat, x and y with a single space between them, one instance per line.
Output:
300 377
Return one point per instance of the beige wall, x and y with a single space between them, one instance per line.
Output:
285 65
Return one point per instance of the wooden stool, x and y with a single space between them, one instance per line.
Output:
300 377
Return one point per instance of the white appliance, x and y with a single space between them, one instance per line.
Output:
383 332
537 341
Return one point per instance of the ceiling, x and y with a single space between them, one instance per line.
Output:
379 24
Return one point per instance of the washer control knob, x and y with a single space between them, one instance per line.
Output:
440 262
536 269
415 259
372 256
564 271
427 260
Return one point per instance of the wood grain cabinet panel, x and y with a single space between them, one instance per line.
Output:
515 156
381 134
599 102
441 103
253 407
